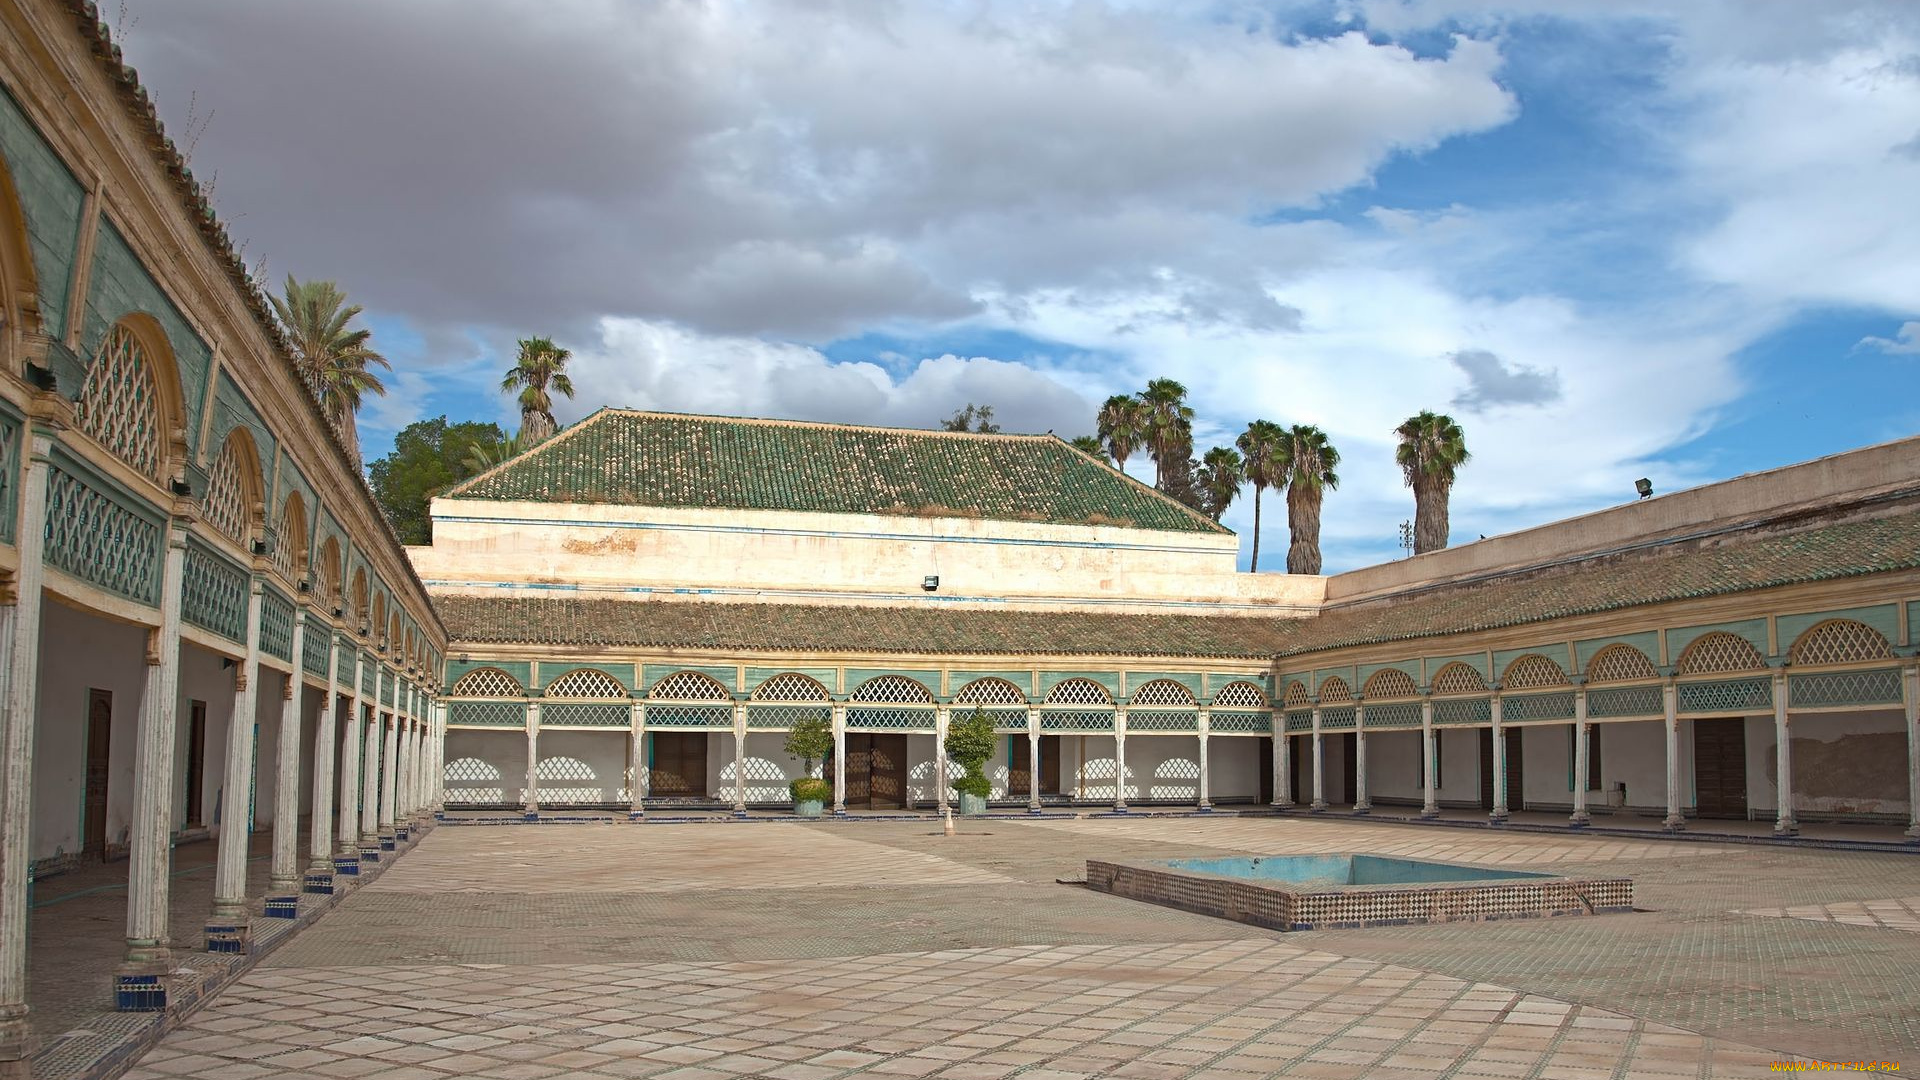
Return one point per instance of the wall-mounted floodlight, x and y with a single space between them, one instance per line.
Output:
930 582
1644 486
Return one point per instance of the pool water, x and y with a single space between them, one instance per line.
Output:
1337 870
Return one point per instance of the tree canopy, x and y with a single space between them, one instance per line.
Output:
429 456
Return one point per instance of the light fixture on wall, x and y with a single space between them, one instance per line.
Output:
304 586
181 488
42 378
1644 486
259 547
930 582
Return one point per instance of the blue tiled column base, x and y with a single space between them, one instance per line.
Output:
139 993
386 843
283 907
370 854
320 884
348 865
229 938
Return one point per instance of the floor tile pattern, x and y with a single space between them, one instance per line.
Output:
1898 914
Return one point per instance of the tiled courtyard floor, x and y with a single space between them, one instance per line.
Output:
804 952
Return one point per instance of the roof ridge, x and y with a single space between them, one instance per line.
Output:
579 425
777 421
1146 487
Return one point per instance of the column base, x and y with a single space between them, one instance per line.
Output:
636 814
370 853
839 811
388 843
1579 819
16 1043
1786 828
283 906
401 833
319 883
233 937
1428 813
1119 808
1317 806
1913 832
347 864
1498 816
1674 824
1361 809
1205 808
139 992
1031 809
530 815
740 811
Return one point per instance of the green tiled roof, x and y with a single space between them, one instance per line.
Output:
1712 567
669 460
695 624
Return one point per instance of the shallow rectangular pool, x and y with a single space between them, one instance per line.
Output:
1344 870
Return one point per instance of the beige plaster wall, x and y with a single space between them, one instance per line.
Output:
797 557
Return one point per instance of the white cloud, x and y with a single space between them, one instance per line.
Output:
1905 341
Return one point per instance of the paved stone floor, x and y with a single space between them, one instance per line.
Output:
804 952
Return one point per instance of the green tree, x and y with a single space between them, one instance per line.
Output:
1221 474
537 373
1089 445
1309 463
429 456
483 456
1122 427
1260 447
332 356
974 418
970 743
1169 426
1432 449
809 739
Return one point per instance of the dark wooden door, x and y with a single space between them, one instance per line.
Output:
1350 767
1720 767
196 759
859 791
1301 768
887 772
1020 773
1516 780
1266 769
99 732
679 768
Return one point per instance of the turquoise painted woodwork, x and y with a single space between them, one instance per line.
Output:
551 670
1463 711
521 670
12 436
1110 680
1554 651
1189 679
1525 708
783 717
1162 721
1475 660
1648 642
927 677
1620 702
1337 718
726 675
53 202
585 714
1753 630
121 286
313 648
1882 617
1410 668
276 624
1402 714
231 409
214 593
1023 678
507 714
1753 694
1344 674
102 535
825 676
889 718
1845 689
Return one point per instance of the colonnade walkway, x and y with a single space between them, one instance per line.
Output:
885 948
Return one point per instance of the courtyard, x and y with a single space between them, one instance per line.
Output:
884 948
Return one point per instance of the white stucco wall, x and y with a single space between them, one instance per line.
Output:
486 766
79 652
479 546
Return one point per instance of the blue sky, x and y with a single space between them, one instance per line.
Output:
1614 238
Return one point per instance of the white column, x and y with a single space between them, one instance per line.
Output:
1676 820
20 637
1499 813
942 716
1360 803
1033 760
230 865
1429 783
1783 822
1319 761
370 766
740 759
1282 761
390 770
1910 682
637 753
409 758
1582 751
839 758
284 876
348 841
149 860
320 844
530 799
1205 802
1120 760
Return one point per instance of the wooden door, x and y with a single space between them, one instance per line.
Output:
196 760
1049 764
887 772
99 732
1516 777
1019 766
1350 767
1301 768
859 769
679 768
1265 750
1720 767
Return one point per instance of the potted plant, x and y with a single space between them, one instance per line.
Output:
970 745
809 740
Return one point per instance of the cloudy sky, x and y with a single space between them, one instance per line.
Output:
1614 238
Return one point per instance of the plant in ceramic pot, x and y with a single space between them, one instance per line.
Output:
970 745
809 740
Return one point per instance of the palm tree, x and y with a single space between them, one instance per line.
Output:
1260 445
332 357
1221 474
483 456
1308 462
1169 426
1122 425
541 366
1089 445
1432 448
